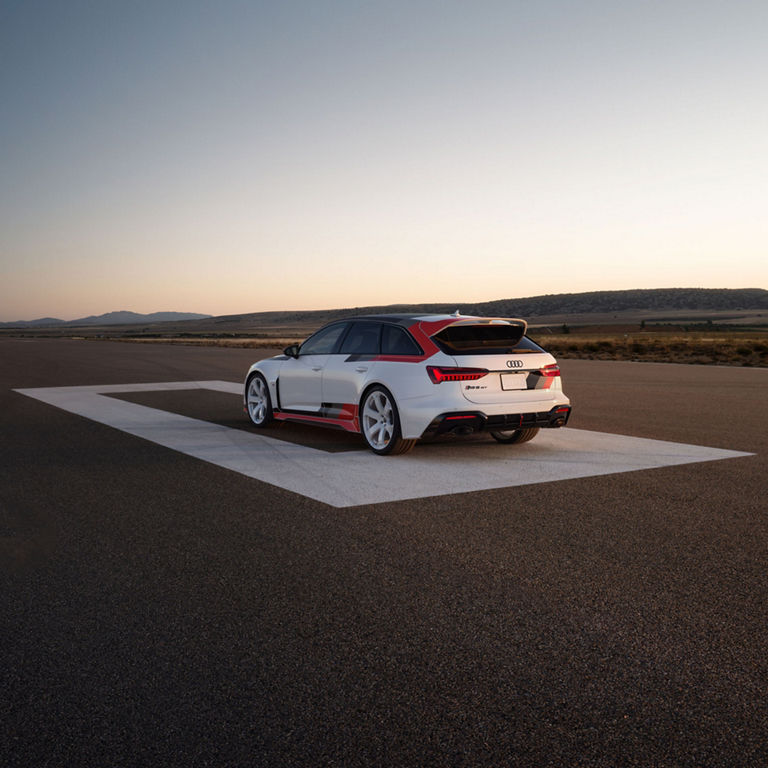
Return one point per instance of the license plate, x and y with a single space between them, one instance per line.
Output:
514 381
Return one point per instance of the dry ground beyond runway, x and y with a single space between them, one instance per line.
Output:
162 610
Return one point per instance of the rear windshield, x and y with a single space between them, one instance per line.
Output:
484 340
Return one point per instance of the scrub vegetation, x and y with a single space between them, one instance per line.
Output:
704 347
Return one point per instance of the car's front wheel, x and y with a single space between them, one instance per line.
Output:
258 401
515 435
380 423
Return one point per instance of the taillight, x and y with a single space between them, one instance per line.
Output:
550 370
439 374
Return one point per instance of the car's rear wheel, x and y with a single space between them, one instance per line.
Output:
515 435
257 400
380 423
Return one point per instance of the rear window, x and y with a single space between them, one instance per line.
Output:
489 339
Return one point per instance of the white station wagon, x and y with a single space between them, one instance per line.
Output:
399 378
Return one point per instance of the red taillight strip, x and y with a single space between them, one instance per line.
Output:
439 374
550 370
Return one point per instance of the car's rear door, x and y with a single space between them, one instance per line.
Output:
347 370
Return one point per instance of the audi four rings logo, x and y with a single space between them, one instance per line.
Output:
514 363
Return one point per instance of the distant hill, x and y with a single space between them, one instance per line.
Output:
661 299
126 318
600 304
43 322
110 318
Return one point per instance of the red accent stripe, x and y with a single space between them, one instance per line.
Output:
351 423
400 358
350 412
423 330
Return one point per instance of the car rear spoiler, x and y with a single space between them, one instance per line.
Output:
462 320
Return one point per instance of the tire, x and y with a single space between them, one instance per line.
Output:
258 403
380 423
516 435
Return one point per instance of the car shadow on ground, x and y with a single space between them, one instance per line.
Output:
226 410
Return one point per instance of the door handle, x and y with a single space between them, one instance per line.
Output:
361 368
317 368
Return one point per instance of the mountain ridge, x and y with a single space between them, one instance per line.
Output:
119 317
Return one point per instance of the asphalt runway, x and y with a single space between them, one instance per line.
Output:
162 610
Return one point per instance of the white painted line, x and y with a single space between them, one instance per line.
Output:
354 478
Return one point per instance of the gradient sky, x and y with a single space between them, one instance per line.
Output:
230 156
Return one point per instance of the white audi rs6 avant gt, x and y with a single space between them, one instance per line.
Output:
398 378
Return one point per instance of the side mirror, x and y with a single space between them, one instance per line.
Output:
292 351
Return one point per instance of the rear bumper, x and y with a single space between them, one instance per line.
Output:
467 422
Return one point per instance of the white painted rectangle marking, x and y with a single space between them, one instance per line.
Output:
354 478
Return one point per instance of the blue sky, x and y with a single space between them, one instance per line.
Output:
230 157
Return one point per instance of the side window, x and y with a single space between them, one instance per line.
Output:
324 341
362 339
396 341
